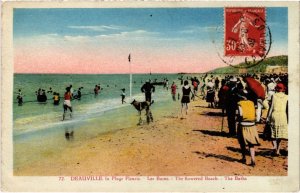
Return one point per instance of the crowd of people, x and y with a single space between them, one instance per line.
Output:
242 98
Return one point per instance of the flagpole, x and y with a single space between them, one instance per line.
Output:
130 86
130 77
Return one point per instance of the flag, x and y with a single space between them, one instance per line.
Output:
129 58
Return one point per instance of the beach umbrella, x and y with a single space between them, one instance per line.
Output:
256 87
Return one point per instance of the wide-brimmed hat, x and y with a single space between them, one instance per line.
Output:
280 87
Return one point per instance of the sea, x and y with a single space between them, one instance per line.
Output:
38 129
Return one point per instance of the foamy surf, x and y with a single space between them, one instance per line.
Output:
81 114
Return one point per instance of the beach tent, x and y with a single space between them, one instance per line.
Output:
256 87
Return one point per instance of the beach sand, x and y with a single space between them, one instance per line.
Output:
170 146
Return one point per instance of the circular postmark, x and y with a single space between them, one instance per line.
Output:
245 39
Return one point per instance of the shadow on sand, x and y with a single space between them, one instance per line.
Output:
222 157
213 114
263 137
264 152
215 133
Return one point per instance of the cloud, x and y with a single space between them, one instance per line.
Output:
198 29
122 36
78 38
130 35
99 28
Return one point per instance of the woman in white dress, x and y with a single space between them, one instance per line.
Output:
278 117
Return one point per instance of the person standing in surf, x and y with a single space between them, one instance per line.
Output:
79 93
67 103
173 91
56 98
96 90
123 96
20 98
167 84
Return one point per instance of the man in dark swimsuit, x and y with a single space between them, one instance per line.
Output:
148 88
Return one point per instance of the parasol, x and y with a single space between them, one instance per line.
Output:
256 87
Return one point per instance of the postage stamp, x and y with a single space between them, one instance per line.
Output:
245 31
150 96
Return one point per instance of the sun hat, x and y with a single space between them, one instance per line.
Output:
280 87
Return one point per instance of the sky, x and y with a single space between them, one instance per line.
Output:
99 40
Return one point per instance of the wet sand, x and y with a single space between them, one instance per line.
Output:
170 146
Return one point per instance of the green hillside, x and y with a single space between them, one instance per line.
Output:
260 68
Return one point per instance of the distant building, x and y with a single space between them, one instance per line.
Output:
276 69
243 70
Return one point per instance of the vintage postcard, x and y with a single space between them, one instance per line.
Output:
150 96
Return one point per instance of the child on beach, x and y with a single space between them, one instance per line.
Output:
123 95
67 102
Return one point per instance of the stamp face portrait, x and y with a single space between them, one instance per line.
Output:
150 96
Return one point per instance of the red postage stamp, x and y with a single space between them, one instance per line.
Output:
245 30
